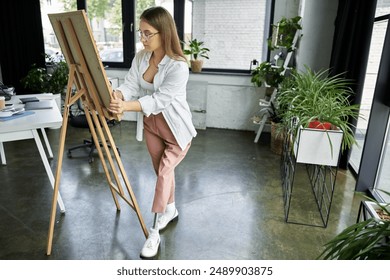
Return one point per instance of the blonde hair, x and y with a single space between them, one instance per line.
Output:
161 19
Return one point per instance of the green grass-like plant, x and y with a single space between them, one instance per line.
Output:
365 240
313 96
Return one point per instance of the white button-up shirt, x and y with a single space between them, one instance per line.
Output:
168 97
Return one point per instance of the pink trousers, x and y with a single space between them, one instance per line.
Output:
166 154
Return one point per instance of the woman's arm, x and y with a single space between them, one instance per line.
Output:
118 105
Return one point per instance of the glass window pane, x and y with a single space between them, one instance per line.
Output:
143 5
232 30
52 48
382 8
106 23
187 20
377 40
383 177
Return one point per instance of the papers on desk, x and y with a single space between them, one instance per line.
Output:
16 116
10 111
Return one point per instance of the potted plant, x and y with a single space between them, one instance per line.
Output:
267 75
272 77
196 51
50 79
277 129
283 33
315 96
366 240
276 112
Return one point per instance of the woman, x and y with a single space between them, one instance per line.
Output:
159 73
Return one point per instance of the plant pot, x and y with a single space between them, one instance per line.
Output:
374 210
277 138
268 92
280 62
320 125
317 146
196 66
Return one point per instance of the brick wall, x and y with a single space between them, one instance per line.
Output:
231 29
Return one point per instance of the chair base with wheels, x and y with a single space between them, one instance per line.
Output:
80 121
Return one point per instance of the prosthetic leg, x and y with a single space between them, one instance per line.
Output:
150 248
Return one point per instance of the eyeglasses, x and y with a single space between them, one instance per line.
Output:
146 37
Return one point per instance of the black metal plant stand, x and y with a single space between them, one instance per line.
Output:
319 178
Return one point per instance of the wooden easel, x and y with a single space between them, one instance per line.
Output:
87 76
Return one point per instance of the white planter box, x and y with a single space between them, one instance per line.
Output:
316 146
372 207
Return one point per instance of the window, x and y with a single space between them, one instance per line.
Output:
375 157
52 48
377 41
383 177
234 31
106 23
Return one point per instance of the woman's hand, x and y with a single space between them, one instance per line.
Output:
116 104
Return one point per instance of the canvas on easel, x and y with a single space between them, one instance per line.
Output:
88 78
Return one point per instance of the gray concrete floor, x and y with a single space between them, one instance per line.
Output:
229 198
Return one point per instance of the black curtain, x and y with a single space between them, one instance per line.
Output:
351 43
22 41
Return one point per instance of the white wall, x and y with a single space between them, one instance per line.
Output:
286 8
315 45
231 42
318 18
231 101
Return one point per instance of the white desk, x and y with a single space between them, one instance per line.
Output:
27 128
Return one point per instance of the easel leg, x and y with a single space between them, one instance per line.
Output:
91 122
125 179
61 147
102 130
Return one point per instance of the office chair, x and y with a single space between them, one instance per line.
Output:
78 119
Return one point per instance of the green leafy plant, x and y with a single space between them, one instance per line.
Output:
36 79
365 240
284 32
267 73
315 96
278 109
39 79
196 49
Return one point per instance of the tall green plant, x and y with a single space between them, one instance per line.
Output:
318 96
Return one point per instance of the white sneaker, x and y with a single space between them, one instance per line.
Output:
151 245
166 218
